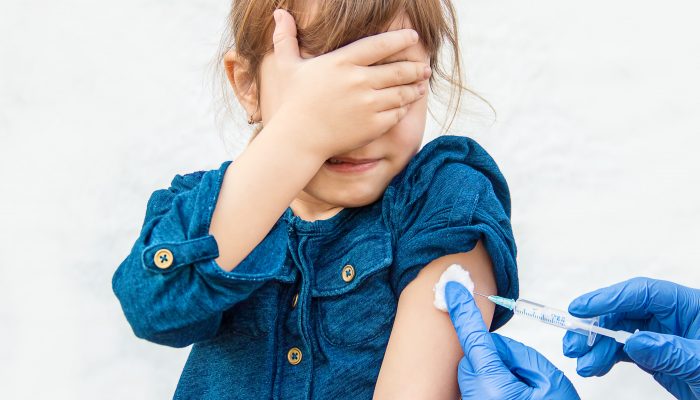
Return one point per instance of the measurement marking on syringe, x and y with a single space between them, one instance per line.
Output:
553 320
584 326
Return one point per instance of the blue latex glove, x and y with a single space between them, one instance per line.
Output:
496 367
669 349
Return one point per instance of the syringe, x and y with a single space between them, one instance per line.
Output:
584 326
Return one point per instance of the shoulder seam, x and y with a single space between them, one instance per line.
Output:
472 208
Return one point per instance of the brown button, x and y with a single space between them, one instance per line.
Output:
163 258
348 273
294 300
294 356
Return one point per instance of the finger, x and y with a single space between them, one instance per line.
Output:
675 386
473 335
370 49
388 118
600 359
575 345
397 96
284 37
667 354
397 73
532 367
634 295
521 359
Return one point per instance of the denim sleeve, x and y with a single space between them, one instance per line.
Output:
449 202
170 287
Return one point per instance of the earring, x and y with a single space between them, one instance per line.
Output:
250 120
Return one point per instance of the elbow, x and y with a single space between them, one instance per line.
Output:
174 324
178 336
172 333
142 319
145 326
167 331
170 339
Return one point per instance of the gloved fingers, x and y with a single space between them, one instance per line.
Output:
675 386
633 295
576 345
465 367
617 322
532 368
513 353
666 354
600 359
473 335
496 384
469 382
525 362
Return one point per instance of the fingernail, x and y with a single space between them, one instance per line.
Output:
414 35
426 72
276 15
421 88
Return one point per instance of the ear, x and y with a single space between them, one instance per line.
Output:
241 79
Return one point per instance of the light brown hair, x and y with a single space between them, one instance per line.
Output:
250 25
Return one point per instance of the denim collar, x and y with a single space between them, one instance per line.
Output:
319 226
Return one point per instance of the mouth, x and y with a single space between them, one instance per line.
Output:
347 164
338 160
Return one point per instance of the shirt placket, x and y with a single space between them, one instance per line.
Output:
294 350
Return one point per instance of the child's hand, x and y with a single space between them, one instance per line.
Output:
339 100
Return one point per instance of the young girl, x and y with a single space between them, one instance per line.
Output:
305 268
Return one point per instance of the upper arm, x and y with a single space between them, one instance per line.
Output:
450 205
450 196
423 352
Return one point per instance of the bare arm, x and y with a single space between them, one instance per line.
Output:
423 352
247 208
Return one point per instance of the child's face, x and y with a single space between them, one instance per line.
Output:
328 190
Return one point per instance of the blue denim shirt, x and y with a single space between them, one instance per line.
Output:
308 313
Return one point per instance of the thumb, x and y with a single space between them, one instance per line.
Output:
473 335
284 37
666 354
533 368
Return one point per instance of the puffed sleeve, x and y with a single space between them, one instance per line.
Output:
450 196
170 287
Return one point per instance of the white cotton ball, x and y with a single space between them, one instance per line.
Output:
456 273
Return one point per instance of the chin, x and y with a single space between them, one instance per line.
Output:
352 198
359 202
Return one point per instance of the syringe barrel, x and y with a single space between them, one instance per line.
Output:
558 318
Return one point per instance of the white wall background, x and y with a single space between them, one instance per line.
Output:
101 103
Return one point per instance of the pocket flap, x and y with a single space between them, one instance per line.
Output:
352 261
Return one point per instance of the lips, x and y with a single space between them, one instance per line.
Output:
351 165
350 160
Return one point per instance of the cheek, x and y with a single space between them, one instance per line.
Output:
407 135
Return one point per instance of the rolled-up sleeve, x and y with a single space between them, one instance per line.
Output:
451 196
170 287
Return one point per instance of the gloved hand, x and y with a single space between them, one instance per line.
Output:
669 349
496 367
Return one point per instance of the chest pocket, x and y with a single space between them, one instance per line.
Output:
351 293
